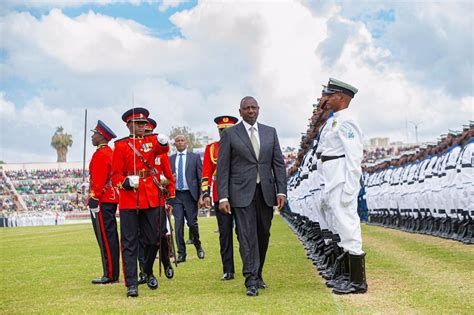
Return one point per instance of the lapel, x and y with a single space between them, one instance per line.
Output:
262 135
186 166
244 136
173 163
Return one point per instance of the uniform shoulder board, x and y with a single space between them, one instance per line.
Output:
121 139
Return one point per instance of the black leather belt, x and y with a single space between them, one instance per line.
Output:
421 181
428 176
450 167
325 158
305 176
466 165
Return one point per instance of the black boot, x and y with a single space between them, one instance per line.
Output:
358 283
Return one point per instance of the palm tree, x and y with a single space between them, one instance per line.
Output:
61 141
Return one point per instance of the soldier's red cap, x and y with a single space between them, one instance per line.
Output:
151 124
225 121
104 130
136 114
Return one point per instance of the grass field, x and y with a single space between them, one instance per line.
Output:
48 270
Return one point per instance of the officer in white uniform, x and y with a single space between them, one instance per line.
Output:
341 158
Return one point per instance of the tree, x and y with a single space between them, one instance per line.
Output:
61 141
193 142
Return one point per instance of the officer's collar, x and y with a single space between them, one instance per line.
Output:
136 137
103 145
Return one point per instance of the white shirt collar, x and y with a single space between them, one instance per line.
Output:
247 125
185 152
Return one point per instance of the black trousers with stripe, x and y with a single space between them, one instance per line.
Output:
225 223
143 222
106 224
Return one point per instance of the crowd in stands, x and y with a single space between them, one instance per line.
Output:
47 194
7 197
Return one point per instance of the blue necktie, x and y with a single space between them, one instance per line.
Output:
180 172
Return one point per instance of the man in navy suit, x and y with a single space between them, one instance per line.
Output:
187 169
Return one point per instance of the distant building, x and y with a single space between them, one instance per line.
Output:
203 138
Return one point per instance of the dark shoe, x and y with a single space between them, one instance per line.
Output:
132 291
169 272
200 252
104 280
142 278
181 259
261 284
152 282
252 291
227 276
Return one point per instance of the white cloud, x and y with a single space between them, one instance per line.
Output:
280 52
166 4
7 108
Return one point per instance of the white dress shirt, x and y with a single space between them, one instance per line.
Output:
249 132
185 183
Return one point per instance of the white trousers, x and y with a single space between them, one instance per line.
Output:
346 221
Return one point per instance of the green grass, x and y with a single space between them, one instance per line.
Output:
48 270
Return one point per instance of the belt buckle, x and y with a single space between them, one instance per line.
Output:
142 173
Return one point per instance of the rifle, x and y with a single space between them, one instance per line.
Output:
168 216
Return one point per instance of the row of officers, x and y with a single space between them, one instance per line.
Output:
147 186
323 192
430 191
139 178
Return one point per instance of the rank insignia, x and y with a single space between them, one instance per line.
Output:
147 146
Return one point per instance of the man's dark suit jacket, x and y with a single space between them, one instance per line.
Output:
237 166
193 172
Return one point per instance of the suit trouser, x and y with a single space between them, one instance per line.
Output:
185 206
108 233
346 221
253 230
225 223
133 223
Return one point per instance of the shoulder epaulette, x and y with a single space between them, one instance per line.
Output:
121 139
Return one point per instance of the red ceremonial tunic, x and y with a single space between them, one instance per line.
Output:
100 170
125 162
163 167
209 166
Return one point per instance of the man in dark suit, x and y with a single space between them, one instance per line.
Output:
251 180
187 168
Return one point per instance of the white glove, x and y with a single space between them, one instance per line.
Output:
134 180
94 211
163 139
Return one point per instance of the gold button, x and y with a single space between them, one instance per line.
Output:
144 180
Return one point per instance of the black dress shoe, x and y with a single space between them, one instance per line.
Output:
181 259
132 291
228 276
142 278
200 252
169 272
261 284
152 282
252 291
104 280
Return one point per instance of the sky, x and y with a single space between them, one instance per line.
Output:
190 61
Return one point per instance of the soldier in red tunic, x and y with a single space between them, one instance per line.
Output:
224 221
103 200
134 174
163 172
